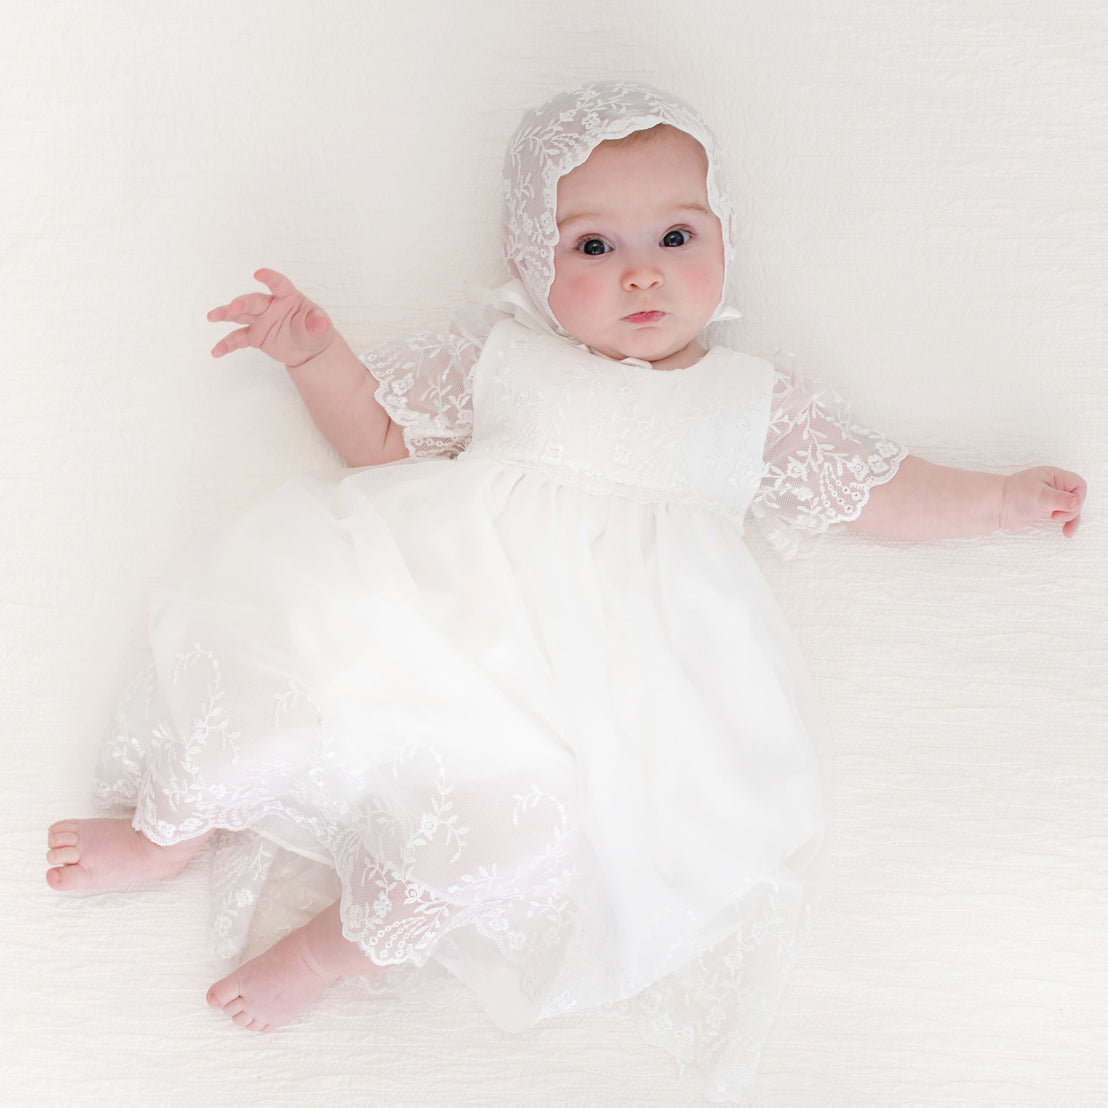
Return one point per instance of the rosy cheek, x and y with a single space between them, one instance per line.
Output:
709 282
572 294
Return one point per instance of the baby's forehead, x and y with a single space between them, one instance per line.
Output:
662 162
662 141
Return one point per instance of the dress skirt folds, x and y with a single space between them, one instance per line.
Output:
532 705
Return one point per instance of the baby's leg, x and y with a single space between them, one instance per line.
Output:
291 975
97 853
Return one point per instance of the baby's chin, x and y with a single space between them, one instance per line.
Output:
680 359
651 345
661 357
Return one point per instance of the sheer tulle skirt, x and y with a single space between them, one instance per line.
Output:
553 741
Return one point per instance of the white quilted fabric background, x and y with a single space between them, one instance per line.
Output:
922 193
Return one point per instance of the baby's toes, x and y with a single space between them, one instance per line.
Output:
62 834
63 855
237 1008
225 995
68 878
64 852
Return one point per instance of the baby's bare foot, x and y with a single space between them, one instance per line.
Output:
271 989
98 853
291 975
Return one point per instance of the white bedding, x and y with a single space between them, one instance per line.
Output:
922 209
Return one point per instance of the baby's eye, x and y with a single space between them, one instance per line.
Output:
676 238
594 246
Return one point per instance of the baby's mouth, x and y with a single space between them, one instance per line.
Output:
644 317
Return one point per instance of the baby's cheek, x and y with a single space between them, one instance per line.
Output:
707 284
572 295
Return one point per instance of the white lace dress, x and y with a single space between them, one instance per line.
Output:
533 705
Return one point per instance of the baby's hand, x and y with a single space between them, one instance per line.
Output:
1042 493
287 325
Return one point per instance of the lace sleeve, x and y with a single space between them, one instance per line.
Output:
424 383
818 464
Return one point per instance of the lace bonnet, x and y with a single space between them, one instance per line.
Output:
558 136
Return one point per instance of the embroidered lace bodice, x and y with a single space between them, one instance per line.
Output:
712 423
692 435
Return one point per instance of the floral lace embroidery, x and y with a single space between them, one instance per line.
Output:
689 436
421 859
819 464
708 1014
182 782
558 136
424 383
707 1011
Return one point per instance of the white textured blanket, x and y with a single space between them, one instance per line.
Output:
921 196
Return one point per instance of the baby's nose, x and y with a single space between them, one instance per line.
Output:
640 274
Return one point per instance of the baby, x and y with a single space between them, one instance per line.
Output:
525 692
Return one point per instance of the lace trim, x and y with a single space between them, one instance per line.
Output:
559 135
424 384
820 465
709 1014
709 1000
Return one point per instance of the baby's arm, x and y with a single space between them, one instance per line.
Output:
337 389
926 501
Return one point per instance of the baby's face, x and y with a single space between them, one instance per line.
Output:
638 268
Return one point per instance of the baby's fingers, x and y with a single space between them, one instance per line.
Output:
1059 502
236 340
1077 486
1068 513
1063 505
242 309
277 283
